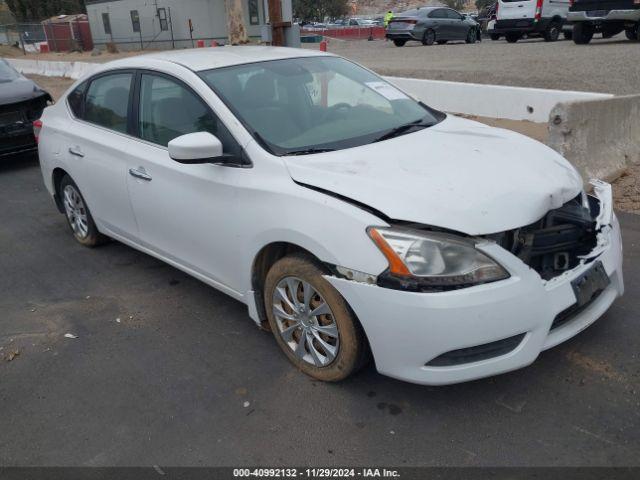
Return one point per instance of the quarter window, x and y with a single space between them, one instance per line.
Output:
107 101
75 100
168 110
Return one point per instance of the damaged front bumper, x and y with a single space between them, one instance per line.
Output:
460 335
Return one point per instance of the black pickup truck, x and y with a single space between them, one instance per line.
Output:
609 17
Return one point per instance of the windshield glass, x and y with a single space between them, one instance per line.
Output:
7 73
298 105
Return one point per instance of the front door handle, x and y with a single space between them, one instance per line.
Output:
76 152
140 173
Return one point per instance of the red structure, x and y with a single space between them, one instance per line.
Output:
68 32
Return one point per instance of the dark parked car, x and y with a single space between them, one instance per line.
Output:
431 25
21 103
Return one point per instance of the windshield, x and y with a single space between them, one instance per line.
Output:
302 105
7 73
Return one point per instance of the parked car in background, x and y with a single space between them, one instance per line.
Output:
21 104
531 18
431 25
608 17
349 217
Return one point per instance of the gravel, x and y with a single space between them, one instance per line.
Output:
608 66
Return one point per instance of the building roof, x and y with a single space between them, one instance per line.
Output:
200 59
67 18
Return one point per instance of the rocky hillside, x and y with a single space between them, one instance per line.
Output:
372 7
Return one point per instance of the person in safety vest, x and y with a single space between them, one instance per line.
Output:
387 18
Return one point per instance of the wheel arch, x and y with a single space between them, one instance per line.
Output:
266 257
56 179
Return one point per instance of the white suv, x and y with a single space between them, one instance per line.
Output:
347 216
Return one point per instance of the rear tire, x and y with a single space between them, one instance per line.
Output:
552 32
582 33
329 346
471 36
494 36
429 37
78 215
512 37
399 43
633 33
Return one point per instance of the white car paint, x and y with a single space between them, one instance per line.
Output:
212 221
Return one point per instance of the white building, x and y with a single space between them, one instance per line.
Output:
166 23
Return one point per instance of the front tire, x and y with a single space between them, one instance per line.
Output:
471 36
399 43
633 33
78 215
429 37
312 323
582 33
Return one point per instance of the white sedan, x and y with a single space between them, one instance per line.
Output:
353 220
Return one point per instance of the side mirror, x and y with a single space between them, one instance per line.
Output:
196 148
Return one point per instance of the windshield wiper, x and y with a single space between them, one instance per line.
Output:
310 151
402 129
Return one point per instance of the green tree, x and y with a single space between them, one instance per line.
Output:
319 10
455 4
36 10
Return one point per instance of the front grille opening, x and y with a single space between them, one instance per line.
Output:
553 244
477 353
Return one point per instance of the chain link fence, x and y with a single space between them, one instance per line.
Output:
47 36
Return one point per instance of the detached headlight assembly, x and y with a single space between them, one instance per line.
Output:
424 261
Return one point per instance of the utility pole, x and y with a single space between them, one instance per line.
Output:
277 25
235 22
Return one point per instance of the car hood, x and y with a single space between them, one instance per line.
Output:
19 90
459 175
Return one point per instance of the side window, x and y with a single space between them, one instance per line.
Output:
162 16
168 110
440 13
75 100
135 21
107 101
106 23
453 15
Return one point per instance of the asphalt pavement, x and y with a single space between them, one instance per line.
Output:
110 357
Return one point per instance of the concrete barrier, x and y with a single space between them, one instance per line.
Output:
493 101
48 68
599 137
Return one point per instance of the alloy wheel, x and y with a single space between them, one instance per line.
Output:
76 212
305 322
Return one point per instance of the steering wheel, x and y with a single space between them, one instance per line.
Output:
334 110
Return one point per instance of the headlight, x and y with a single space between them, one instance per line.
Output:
435 259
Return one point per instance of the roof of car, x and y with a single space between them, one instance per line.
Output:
200 59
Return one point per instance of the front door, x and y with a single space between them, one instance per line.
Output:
185 213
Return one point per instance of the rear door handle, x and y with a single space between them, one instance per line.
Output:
140 173
76 152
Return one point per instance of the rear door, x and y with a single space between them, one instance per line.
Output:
512 10
96 147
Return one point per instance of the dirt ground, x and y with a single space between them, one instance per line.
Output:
626 189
